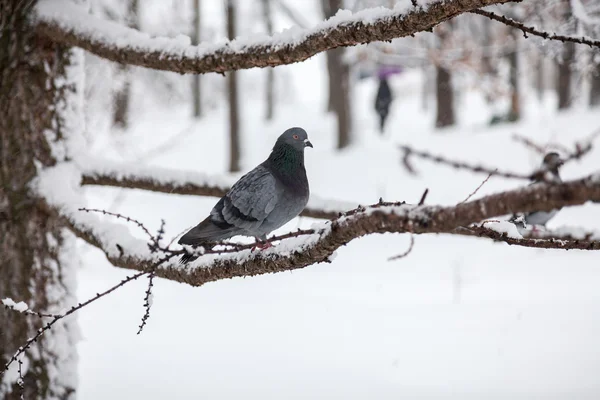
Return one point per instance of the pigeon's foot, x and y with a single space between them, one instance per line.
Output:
261 245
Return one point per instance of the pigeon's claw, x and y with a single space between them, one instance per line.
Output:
261 245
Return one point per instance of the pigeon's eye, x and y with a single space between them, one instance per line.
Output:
295 137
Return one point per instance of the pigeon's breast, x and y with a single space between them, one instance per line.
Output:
287 208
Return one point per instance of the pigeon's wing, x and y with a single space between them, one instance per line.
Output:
251 199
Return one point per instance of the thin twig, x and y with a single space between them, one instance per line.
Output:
407 252
73 309
119 216
423 197
532 31
147 300
20 380
476 190
408 151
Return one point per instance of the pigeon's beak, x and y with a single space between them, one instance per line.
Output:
307 143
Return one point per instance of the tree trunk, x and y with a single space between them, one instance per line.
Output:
564 76
595 87
270 71
443 86
232 90
35 92
513 61
564 66
196 92
339 83
123 94
540 76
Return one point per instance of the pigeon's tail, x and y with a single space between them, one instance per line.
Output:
205 233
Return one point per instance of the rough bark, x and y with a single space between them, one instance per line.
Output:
339 83
270 84
443 86
232 92
380 218
32 95
398 24
122 96
196 83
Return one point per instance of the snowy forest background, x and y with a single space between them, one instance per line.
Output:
457 317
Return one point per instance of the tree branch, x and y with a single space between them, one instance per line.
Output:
188 183
319 244
69 24
532 31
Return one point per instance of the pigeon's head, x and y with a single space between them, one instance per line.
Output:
295 137
552 161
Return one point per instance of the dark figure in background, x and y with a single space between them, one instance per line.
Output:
383 100
384 97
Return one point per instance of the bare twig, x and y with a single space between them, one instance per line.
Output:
147 300
73 309
20 381
407 252
423 197
408 151
580 150
119 216
532 31
539 149
476 190
563 243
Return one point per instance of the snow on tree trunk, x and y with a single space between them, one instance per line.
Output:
339 82
37 96
232 90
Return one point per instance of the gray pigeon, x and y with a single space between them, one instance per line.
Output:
261 201
549 170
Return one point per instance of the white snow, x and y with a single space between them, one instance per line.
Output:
461 318
75 18
10 303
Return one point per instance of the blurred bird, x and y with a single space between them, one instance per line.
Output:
548 172
261 201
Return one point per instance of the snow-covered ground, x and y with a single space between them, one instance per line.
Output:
459 318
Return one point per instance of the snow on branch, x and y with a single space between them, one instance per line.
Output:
163 180
68 23
303 248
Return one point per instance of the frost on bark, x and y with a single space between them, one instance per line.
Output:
35 269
